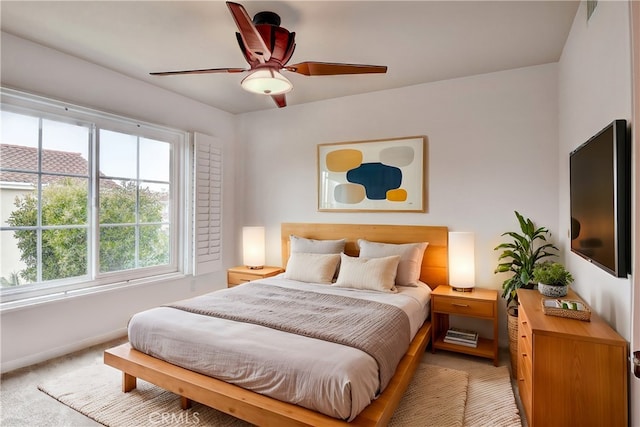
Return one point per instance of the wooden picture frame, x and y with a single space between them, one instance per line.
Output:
382 175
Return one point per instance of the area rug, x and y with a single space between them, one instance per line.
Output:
490 400
437 396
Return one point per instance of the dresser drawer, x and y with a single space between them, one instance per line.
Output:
524 338
525 388
524 327
239 278
525 379
525 347
525 365
444 304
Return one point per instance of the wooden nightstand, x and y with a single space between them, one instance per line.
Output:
242 274
479 303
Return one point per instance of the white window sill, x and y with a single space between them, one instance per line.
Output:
26 303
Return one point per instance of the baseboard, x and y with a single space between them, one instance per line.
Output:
33 359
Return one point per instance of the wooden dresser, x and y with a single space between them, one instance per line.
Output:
570 372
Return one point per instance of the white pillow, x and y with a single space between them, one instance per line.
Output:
377 274
314 268
312 246
410 258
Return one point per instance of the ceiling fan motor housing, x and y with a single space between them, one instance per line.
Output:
279 40
270 18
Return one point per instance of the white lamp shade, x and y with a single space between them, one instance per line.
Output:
253 246
462 264
266 81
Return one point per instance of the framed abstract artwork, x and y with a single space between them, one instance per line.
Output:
385 175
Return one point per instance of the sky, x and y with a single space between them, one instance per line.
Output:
120 162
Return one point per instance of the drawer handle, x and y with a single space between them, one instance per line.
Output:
245 280
524 322
524 354
457 304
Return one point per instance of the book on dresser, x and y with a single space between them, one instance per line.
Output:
464 337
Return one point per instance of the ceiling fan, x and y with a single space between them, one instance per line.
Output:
267 47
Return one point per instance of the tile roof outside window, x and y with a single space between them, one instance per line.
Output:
26 158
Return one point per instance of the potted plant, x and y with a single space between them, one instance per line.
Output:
553 279
519 257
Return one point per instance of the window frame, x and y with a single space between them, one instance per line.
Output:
179 188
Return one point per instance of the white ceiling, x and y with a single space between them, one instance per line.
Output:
420 41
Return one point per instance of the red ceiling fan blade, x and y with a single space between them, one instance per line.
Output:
250 35
280 100
330 69
203 71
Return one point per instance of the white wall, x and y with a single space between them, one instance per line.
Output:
491 149
37 333
594 89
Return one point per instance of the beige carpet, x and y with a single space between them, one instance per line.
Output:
438 397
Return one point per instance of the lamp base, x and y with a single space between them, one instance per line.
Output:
469 289
255 267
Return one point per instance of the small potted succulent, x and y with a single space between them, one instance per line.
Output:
553 279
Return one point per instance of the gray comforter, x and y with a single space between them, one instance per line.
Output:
380 330
333 379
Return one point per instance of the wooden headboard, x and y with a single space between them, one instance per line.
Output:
434 270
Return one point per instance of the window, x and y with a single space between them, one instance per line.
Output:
134 202
45 198
87 199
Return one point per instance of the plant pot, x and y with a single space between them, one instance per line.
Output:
553 291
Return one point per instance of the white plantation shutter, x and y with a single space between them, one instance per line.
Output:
208 205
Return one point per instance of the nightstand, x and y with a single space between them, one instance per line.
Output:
479 303
242 274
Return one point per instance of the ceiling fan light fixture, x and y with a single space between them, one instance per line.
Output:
266 81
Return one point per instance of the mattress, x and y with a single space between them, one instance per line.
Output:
333 379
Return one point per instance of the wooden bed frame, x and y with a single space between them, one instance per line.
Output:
265 411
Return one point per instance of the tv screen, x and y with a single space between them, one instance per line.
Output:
600 180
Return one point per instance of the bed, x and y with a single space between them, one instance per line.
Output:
260 409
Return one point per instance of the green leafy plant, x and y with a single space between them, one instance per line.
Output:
521 255
552 273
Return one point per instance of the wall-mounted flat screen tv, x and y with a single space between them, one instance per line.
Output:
600 193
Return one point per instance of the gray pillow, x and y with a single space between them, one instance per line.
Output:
312 246
410 258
